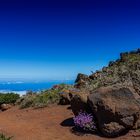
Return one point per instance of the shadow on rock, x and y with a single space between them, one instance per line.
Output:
69 107
81 132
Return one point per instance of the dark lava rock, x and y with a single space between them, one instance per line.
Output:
116 110
64 98
79 103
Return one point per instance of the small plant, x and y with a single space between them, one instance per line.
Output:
85 122
3 137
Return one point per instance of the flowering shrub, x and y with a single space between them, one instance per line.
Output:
85 121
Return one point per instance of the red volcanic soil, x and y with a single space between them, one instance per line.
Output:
50 123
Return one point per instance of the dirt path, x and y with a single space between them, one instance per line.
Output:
51 123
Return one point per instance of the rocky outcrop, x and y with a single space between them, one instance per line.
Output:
117 109
125 70
4 107
82 81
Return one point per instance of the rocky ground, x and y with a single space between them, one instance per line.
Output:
50 123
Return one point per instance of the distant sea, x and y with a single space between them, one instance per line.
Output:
22 87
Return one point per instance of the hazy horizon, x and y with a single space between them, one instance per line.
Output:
56 40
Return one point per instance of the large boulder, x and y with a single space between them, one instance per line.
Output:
79 103
117 109
65 97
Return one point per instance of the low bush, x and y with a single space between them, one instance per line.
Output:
38 100
8 98
3 137
26 101
45 99
42 99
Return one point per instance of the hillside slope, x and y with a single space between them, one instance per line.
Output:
124 71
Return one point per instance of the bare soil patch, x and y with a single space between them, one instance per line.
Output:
50 123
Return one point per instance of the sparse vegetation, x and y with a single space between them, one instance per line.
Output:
44 98
26 101
3 137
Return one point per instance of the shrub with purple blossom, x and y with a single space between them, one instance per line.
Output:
85 121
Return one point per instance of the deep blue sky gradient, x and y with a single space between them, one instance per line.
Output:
56 39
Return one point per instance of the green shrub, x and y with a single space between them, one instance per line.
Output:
8 98
42 99
3 137
26 101
38 100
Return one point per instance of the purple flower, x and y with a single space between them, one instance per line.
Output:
84 121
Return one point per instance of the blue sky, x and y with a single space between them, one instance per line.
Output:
51 39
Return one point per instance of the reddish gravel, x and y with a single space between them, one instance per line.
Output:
50 123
